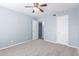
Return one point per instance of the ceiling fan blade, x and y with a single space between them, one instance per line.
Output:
33 11
28 6
41 10
43 5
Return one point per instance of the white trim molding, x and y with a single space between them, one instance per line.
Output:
15 44
62 44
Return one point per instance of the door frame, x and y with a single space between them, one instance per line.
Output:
64 32
34 29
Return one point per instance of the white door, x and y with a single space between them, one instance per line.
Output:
62 29
34 29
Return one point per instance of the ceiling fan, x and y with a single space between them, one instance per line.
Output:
37 7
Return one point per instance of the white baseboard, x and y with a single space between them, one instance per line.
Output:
63 44
15 44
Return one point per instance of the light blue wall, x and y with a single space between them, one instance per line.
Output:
14 27
73 29
50 26
78 28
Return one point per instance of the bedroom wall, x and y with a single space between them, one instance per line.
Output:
50 26
78 28
14 27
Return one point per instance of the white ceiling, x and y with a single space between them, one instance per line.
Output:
50 9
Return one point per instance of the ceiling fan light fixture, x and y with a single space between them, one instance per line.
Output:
35 9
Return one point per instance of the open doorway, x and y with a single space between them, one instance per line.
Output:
40 26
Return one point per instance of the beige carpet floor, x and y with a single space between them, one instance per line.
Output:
39 48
